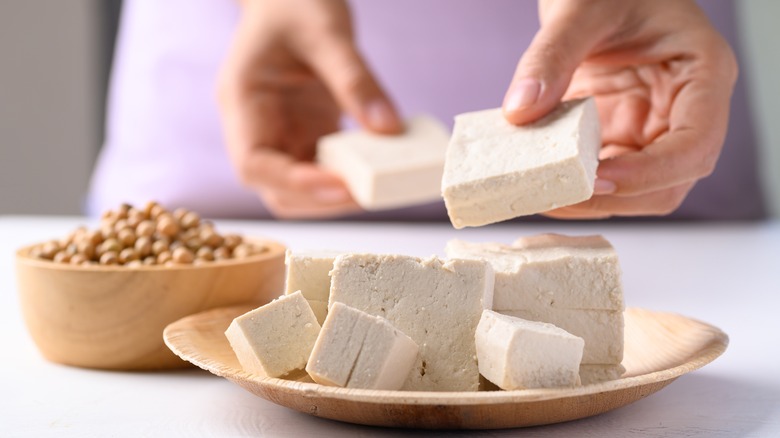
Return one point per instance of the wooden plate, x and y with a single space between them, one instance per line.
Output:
659 348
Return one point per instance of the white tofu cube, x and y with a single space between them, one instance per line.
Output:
602 330
550 270
496 171
436 303
275 339
389 171
358 350
517 354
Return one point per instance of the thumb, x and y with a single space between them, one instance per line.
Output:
569 33
354 86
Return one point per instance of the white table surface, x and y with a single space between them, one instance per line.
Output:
725 274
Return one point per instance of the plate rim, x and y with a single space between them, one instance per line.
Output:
715 347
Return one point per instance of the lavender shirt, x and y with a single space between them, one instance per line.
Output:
441 57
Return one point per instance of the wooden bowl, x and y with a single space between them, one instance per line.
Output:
112 317
659 348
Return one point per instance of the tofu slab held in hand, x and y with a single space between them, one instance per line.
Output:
496 171
389 171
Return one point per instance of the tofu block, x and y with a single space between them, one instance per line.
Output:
517 354
389 171
550 270
275 339
590 373
436 303
602 330
358 350
496 171
320 309
308 272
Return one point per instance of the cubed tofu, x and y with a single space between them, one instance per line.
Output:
436 303
275 339
358 350
602 330
517 354
496 171
389 171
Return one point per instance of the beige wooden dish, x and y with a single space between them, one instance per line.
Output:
112 317
659 348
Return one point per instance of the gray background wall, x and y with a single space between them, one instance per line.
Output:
53 60
761 43
49 103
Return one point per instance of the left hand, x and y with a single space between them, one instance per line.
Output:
662 77
292 69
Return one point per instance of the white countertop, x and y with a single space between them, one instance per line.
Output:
725 274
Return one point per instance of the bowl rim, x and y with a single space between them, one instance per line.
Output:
276 248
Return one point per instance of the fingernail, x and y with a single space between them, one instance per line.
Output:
522 95
381 117
603 187
331 195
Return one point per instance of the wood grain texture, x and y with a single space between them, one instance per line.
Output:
659 348
112 317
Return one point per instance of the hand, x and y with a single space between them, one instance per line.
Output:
291 69
662 78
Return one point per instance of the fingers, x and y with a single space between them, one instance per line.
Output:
663 91
293 189
288 62
336 60
286 205
686 153
655 179
288 187
569 33
661 202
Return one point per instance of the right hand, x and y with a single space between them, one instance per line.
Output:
662 77
291 70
